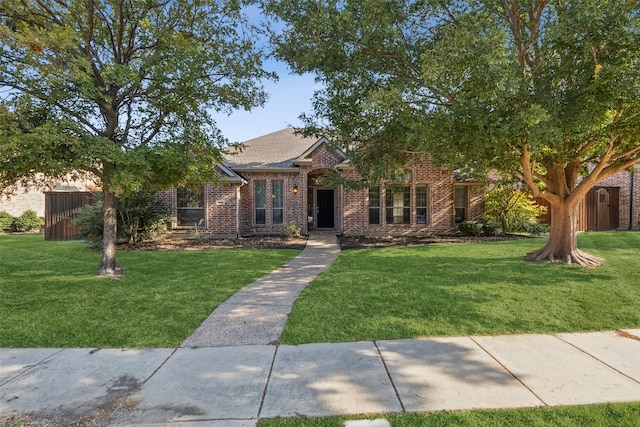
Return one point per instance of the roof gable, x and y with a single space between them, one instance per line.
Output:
284 149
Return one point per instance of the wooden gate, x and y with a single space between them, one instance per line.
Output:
61 210
598 211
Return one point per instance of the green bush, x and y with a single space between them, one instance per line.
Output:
292 229
534 228
510 206
491 228
140 216
470 228
29 221
6 221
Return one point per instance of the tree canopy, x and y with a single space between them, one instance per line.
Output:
546 91
123 89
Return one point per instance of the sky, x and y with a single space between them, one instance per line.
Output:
289 97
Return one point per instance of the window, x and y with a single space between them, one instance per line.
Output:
277 202
190 207
260 201
421 204
398 205
460 203
374 205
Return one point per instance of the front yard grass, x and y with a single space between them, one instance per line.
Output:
610 414
469 288
50 295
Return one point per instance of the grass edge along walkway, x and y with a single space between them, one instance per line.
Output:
50 295
459 289
608 414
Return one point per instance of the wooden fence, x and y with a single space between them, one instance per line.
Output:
61 210
598 211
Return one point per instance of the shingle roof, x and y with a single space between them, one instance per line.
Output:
275 150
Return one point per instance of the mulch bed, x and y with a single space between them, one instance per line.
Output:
285 242
356 242
249 242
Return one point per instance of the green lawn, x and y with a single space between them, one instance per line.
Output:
475 288
616 414
50 295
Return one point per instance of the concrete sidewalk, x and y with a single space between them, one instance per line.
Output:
236 386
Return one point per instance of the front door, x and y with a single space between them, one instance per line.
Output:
325 205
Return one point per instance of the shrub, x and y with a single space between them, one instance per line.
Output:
89 223
491 228
140 216
534 228
292 229
6 221
511 207
29 221
470 228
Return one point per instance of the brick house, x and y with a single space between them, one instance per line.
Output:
276 179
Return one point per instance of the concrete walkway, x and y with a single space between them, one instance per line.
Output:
235 375
257 313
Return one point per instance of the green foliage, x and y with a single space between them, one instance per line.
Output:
126 91
470 228
292 229
534 228
6 221
514 209
542 91
29 221
141 216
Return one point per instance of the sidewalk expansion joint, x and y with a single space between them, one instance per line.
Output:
386 368
159 367
510 372
596 359
266 386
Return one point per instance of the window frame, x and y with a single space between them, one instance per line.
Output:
391 207
260 184
275 198
186 195
456 207
375 205
424 206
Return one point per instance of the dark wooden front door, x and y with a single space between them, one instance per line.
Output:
325 205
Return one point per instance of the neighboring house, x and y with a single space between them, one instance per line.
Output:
34 199
277 179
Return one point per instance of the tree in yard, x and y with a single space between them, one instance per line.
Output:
548 92
121 89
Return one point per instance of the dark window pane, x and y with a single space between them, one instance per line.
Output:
260 201
261 216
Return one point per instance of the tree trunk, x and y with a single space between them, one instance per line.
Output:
108 265
562 245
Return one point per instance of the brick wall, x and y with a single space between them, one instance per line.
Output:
219 209
293 203
439 184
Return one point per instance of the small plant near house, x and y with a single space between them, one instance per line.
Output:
29 221
470 228
6 221
140 217
292 229
513 208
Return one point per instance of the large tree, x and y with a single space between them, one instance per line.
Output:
122 89
545 90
